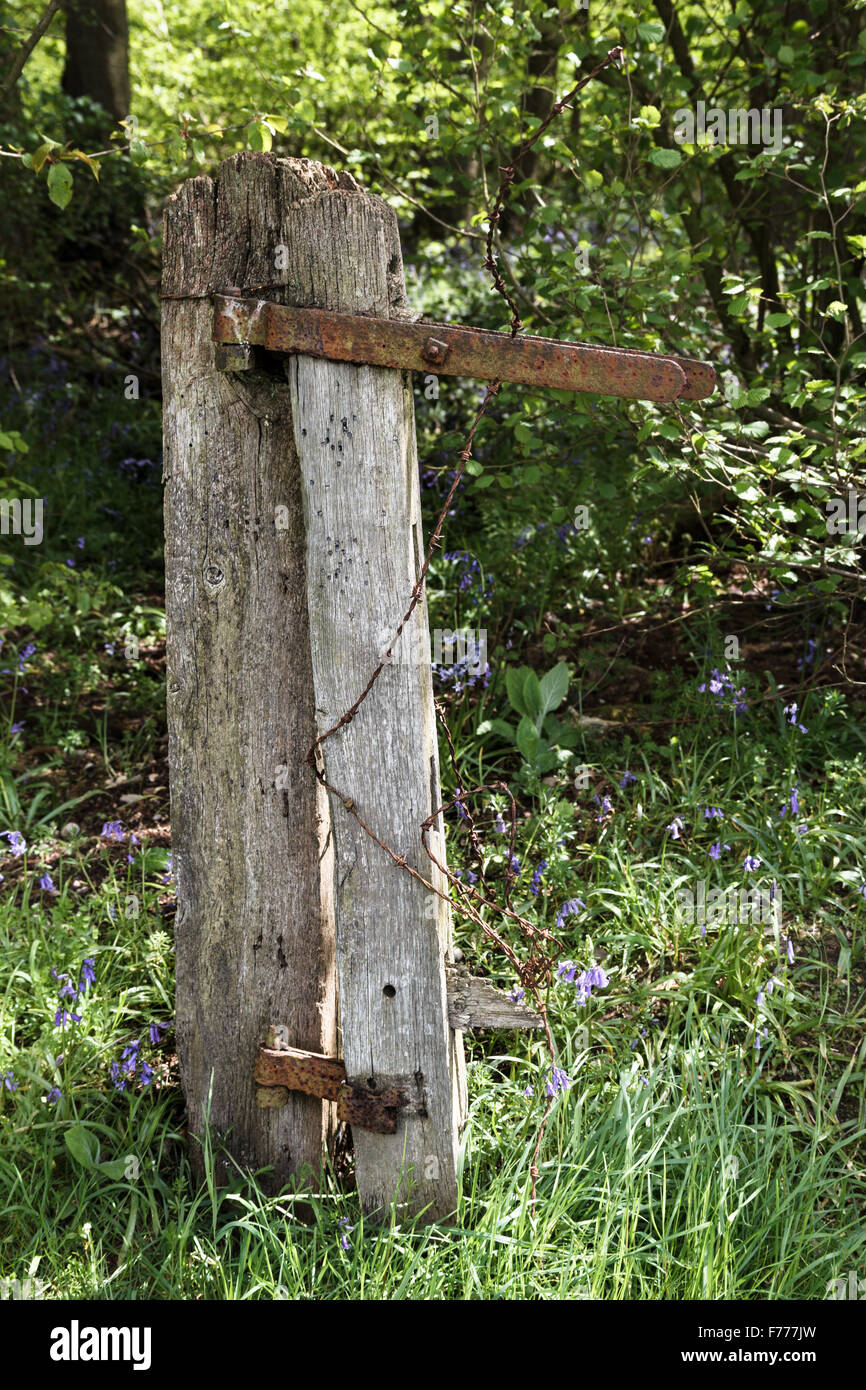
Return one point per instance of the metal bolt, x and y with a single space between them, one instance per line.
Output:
434 350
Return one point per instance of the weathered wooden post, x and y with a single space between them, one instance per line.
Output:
250 832
293 538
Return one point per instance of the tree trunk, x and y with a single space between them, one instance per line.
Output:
97 55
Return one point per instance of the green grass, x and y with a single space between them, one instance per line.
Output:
682 1163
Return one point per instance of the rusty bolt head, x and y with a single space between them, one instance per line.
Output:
434 351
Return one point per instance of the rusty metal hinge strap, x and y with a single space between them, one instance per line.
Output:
453 350
373 1108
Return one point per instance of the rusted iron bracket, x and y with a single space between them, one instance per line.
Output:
450 350
373 1107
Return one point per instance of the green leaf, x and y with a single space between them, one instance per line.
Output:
651 33
777 320
113 1168
514 678
785 55
650 117
496 726
532 693
83 1145
39 157
86 159
260 137
527 739
554 687
666 159
59 185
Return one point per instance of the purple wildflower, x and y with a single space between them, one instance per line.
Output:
17 843
64 1016
750 863
9 1081
675 827
46 884
535 885
558 1081
569 909
792 711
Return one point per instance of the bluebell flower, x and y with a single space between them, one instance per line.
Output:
675 827
17 843
627 779
112 830
46 884
64 1016
9 1081
517 996
535 885
750 863
569 909
558 1081
792 711
156 1031
54 1095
